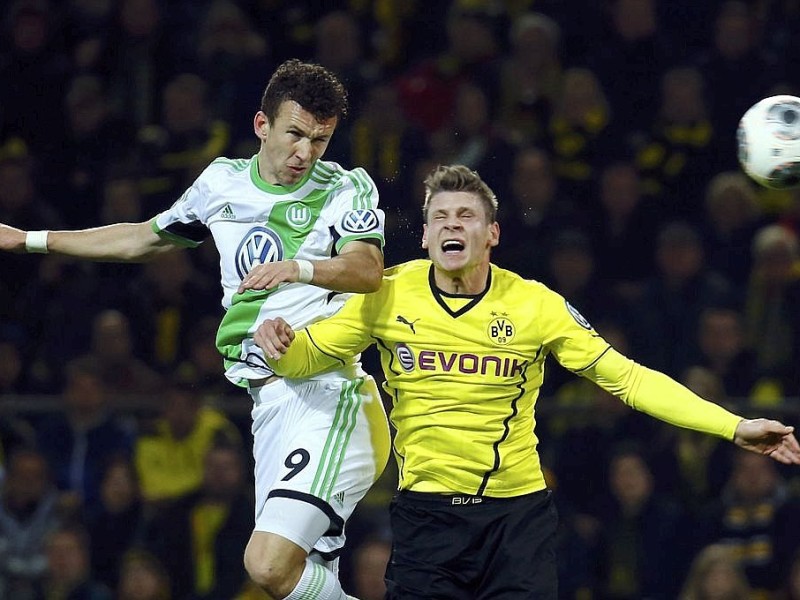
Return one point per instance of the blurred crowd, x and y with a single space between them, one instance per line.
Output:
607 130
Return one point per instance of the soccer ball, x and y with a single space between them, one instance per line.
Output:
769 142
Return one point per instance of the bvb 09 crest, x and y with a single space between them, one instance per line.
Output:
501 331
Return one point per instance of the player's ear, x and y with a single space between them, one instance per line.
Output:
424 237
261 126
494 234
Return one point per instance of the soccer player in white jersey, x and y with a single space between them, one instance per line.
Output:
296 236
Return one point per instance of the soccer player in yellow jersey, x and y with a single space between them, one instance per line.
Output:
463 344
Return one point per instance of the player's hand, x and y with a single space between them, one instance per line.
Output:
264 277
274 336
768 437
12 239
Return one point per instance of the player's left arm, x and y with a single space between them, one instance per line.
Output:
357 268
578 347
662 397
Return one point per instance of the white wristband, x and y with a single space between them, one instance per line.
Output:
306 270
36 241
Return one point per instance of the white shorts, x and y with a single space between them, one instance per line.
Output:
320 443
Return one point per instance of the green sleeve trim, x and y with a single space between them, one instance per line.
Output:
354 238
172 238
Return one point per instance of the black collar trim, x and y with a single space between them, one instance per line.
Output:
440 295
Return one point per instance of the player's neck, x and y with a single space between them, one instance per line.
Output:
468 283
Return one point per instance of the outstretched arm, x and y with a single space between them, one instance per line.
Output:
664 398
122 242
357 268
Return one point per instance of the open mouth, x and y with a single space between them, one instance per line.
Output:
452 246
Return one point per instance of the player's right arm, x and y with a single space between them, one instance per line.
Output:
121 242
324 345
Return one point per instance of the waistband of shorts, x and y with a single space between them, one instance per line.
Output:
256 383
464 499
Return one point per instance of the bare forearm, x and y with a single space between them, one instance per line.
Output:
122 242
359 272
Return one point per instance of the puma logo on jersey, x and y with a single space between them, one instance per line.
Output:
404 321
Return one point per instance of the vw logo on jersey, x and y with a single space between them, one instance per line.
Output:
260 245
405 357
579 318
360 221
298 214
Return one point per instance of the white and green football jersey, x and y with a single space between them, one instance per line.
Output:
254 222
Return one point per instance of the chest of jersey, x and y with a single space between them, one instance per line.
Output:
493 340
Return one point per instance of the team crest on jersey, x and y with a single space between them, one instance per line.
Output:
405 356
579 318
360 221
501 330
260 245
299 215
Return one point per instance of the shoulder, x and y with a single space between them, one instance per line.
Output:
514 281
407 270
400 280
223 167
515 289
336 175
223 164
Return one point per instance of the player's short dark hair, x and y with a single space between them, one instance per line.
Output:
458 178
312 86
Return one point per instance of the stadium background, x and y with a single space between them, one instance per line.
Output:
607 130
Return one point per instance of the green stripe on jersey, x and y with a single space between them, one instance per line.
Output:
293 220
283 220
344 422
238 164
362 190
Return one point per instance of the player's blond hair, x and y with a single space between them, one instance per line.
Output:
458 178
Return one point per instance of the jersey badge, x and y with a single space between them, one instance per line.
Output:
360 221
579 318
261 245
299 215
501 330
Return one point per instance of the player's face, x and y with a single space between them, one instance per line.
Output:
458 234
291 145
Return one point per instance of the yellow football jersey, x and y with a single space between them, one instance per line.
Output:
464 373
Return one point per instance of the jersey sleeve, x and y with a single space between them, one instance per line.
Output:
183 223
567 334
660 396
329 343
358 215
